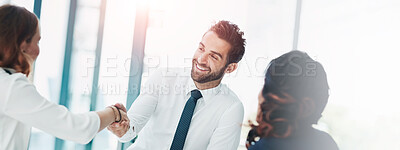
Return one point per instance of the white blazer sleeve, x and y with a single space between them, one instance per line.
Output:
25 104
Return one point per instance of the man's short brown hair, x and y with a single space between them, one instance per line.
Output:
231 33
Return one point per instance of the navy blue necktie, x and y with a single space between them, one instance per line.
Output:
184 122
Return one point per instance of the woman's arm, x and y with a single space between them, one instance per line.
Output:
25 104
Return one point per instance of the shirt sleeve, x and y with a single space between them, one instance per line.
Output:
128 136
144 106
25 104
227 134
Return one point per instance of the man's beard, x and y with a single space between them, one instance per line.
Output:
207 77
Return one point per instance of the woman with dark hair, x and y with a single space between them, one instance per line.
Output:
293 97
21 106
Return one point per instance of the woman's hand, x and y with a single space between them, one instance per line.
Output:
121 127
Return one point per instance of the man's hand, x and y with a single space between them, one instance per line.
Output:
120 128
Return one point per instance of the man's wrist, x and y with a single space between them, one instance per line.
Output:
129 135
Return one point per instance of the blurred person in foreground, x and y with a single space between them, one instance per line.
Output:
21 105
294 95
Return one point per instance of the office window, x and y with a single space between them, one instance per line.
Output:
355 40
83 51
48 66
115 62
28 4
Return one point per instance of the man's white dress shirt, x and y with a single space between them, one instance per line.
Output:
22 107
155 114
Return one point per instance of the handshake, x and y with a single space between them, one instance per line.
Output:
121 125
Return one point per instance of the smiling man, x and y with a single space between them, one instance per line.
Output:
203 113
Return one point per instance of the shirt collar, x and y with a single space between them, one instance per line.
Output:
207 93
8 69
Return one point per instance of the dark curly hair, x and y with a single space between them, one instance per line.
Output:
231 33
295 94
16 26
